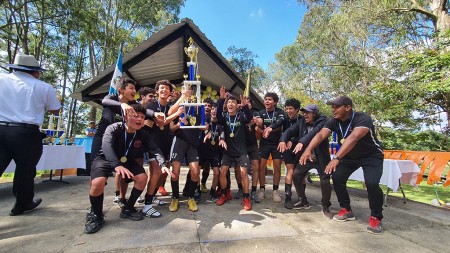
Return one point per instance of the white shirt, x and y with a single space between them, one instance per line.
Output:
25 99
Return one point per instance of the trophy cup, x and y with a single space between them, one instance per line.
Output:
193 103
51 132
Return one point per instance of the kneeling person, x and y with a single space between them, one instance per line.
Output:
122 144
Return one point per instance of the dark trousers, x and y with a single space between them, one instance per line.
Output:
300 173
24 146
373 170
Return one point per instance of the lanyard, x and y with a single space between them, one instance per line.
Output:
159 106
234 124
129 145
270 118
348 127
214 132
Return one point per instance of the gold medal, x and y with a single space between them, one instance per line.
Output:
213 143
123 159
232 135
342 140
161 127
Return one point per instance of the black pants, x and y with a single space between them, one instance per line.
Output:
24 146
300 173
373 170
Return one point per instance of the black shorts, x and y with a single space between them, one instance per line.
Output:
289 157
214 162
266 150
102 168
242 160
181 150
253 153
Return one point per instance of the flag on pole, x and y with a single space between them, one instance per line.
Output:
117 74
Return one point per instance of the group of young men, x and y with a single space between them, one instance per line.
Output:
228 139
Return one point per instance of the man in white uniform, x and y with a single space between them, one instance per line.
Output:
24 101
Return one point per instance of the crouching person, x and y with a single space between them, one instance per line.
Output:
122 144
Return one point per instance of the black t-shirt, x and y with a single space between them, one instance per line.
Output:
367 146
114 146
236 145
161 136
288 123
207 149
250 133
272 119
191 135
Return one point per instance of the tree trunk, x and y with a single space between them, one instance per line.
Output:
439 8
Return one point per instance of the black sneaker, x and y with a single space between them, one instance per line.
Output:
301 205
326 213
93 223
132 214
18 211
122 202
288 204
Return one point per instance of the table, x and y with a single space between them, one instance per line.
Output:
58 157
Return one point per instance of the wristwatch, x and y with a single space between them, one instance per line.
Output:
335 157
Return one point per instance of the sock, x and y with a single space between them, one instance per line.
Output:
175 189
191 190
246 195
263 187
288 191
275 187
149 199
117 193
134 195
253 188
212 192
155 191
223 191
97 204
240 186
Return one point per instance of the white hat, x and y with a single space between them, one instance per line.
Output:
25 62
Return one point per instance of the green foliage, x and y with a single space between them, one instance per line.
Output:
420 141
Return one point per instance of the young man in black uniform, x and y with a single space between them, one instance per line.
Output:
292 107
304 130
360 148
268 144
122 146
234 124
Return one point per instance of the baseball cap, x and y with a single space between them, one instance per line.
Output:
341 100
310 108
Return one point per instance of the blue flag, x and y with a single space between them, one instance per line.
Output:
117 74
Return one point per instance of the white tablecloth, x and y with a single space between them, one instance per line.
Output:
58 157
393 170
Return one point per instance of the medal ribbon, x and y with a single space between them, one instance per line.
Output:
234 124
129 145
270 118
348 127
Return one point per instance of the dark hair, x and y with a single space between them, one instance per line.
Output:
232 97
124 82
138 108
272 95
208 100
213 104
292 102
144 91
164 82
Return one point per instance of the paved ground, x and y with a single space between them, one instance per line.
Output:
58 224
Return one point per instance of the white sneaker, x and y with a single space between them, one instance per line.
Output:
276 196
158 202
116 200
262 194
140 200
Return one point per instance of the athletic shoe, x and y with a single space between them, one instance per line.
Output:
151 212
344 215
140 200
326 213
276 196
375 226
203 188
121 204
255 197
116 200
309 180
228 195
262 194
132 214
222 199
238 194
162 191
197 195
214 197
93 223
18 211
288 204
247 204
174 205
158 202
192 205
301 204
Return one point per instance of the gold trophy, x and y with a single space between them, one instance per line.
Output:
191 51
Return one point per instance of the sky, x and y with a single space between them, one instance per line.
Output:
261 26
